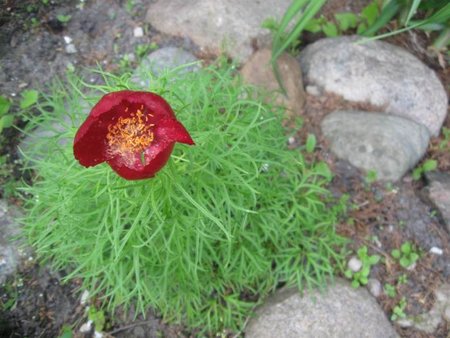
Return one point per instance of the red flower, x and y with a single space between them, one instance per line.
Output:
134 132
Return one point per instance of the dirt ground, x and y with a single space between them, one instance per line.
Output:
33 50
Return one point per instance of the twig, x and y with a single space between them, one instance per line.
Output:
130 326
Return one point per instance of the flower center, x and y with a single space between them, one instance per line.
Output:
130 135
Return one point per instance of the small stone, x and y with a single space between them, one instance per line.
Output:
131 57
138 32
86 327
436 251
374 287
70 49
98 334
411 267
84 297
67 39
259 71
291 140
354 264
404 322
313 90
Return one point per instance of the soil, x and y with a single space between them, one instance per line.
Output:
33 50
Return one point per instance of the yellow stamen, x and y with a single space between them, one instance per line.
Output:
130 135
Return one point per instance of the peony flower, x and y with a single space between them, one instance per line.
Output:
134 132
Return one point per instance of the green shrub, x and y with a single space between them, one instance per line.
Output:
214 232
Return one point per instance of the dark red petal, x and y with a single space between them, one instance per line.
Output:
89 144
171 130
153 102
155 158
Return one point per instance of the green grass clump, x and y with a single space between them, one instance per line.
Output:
213 233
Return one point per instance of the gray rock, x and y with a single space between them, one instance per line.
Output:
341 312
161 60
389 145
379 73
9 229
217 25
438 192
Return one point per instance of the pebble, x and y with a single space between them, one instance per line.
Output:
67 39
374 287
86 327
354 264
71 49
84 297
411 267
436 251
138 32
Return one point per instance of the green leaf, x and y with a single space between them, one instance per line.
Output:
355 284
270 24
348 274
405 262
417 173
361 28
310 143
388 12
412 10
364 280
279 44
63 18
414 257
6 121
29 97
66 332
371 176
362 252
313 26
429 165
98 317
365 271
406 247
4 105
374 259
322 169
395 253
330 29
370 13
346 20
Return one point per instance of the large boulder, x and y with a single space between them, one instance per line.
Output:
388 145
232 26
379 73
340 312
